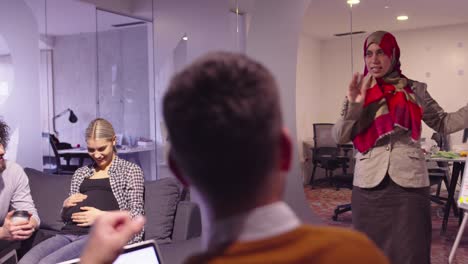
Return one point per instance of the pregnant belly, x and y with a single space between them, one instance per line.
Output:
97 199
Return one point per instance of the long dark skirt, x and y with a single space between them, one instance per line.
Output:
397 219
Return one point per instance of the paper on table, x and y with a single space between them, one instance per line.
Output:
463 197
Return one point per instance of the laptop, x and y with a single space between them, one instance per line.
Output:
146 252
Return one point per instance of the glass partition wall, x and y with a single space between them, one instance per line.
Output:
175 61
184 31
125 81
100 64
108 59
98 60
72 72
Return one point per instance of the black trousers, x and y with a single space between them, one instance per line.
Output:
22 247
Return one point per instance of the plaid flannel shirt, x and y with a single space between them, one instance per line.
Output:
127 184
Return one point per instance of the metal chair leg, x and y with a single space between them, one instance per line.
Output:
314 168
439 186
457 240
446 182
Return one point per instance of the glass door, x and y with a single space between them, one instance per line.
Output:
125 81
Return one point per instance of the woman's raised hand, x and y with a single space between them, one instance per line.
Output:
358 88
73 199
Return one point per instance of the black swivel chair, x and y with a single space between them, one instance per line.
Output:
66 168
325 153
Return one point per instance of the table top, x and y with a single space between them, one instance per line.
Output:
123 150
461 159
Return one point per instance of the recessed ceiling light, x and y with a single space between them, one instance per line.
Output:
386 7
402 18
185 38
353 2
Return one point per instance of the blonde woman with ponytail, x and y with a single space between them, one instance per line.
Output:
109 183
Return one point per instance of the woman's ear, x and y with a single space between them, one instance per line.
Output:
114 140
174 167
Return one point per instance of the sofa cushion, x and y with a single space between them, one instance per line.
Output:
161 198
178 252
48 193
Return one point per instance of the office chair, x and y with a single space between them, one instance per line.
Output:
61 168
325 153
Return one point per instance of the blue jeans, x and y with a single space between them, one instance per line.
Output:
56 249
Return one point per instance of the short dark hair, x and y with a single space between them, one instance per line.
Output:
224 121
4 133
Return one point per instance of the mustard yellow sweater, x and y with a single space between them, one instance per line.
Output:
305 244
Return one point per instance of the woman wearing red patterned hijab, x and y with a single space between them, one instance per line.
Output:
382 116
389 99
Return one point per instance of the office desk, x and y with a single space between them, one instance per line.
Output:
457 170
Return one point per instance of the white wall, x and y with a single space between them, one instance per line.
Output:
308 89
74 84
21 110
206 23
209 26
276 46
437 56
123 82
336 72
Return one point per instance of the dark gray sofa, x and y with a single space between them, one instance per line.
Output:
171 220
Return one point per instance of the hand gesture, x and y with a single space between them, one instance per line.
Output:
87 216
73 199
109 235
358 88
20 230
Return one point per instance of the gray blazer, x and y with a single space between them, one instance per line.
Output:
397 154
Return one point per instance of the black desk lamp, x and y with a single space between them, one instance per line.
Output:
72 118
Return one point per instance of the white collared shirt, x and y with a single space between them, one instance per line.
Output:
262 222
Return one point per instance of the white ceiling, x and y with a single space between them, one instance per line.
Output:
66 17
324 18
